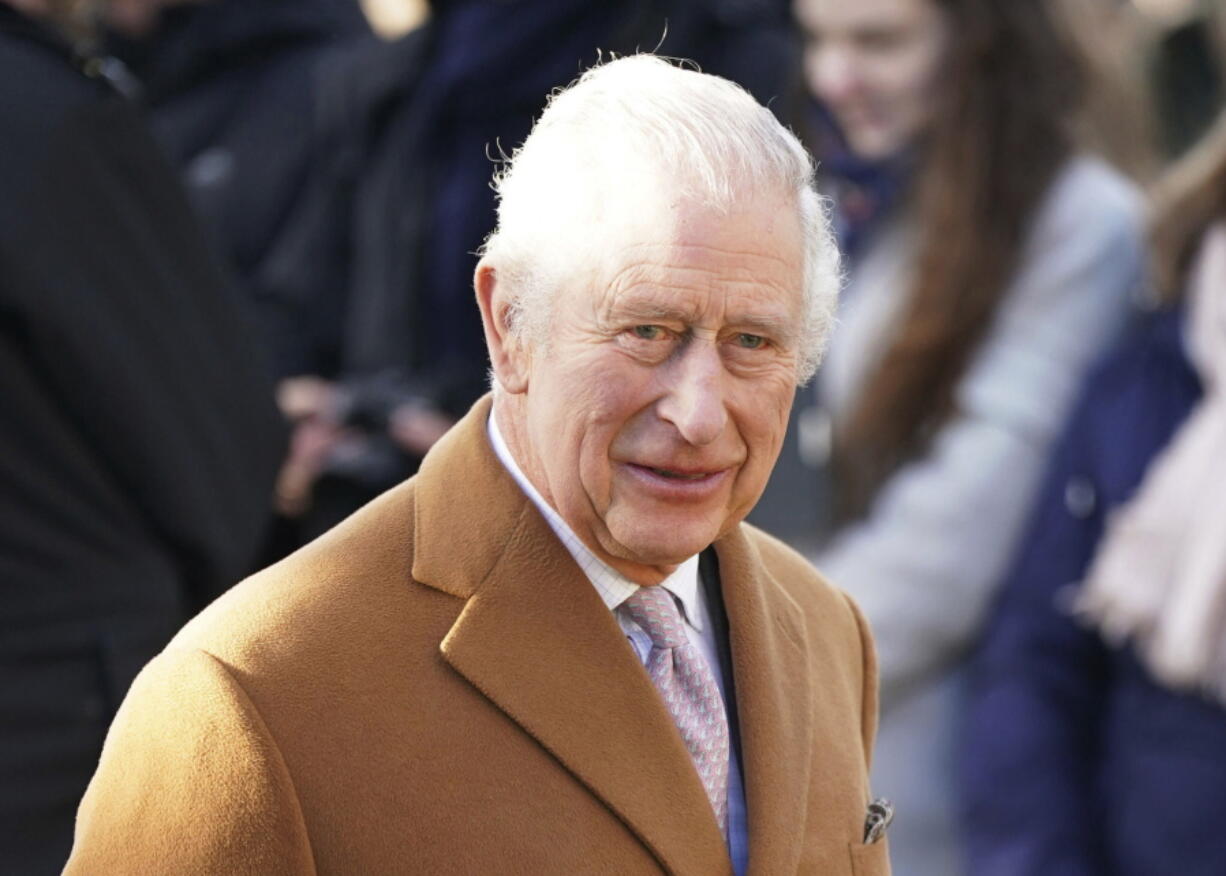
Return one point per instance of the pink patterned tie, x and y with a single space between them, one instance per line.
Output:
684 680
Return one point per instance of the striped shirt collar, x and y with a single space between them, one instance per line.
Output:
614 587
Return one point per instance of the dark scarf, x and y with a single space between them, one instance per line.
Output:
865 192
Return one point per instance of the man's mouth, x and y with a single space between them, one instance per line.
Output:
681 476
679 484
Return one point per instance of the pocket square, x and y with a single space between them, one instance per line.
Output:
876 819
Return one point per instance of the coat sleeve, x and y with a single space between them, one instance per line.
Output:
1036 694
924 563
190 782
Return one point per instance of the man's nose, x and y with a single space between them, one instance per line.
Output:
694 402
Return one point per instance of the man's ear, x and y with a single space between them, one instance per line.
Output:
508 353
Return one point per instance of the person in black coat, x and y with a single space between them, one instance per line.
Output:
139 439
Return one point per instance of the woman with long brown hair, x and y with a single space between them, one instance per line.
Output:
990 263
1095 739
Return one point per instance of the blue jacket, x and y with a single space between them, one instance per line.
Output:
1074 761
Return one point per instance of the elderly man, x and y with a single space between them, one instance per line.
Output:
556 649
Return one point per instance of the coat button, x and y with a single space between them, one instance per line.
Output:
1080 497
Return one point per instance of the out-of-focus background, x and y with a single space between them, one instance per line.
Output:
236 247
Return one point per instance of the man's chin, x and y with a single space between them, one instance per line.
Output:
663 546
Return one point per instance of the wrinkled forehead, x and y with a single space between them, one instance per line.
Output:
680 255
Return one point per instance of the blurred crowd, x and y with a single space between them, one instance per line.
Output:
236 247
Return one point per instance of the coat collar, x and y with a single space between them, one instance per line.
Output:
44 34
32 30
536 640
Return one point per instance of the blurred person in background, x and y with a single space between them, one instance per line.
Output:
1157 79
1117 118
1095 741
990 263
139 440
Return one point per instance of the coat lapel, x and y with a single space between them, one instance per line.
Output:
771 668
536 640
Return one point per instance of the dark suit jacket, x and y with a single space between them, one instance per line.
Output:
435 687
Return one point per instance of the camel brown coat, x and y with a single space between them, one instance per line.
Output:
434 687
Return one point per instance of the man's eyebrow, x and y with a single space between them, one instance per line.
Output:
651 310
754 323
772 326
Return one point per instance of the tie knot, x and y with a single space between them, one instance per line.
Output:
653 609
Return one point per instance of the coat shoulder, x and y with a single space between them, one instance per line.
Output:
812 592
39 84
331 607
188 737
41 94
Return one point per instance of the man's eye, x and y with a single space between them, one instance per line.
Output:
750 342
649 332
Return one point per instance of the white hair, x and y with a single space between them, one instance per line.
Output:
707 137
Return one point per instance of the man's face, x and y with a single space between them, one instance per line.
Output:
656 409
874 64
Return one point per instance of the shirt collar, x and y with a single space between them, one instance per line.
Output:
614 587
